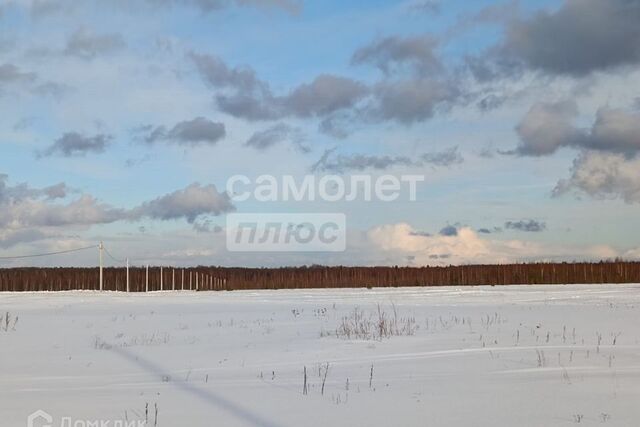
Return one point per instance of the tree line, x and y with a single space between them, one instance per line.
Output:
205 278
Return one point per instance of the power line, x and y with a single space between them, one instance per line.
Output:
48 253
121 261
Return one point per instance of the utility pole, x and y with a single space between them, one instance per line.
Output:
146 286
128 275
101 248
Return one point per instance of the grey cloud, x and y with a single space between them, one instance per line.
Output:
445 158
449 230
23 207
485 230
487 152
576 39
86 210
334 99
292 6
250 107
9 238
547 127
203 226
251 98
429 6
26 213
359 162
189 203
87 45
281 132
440 256
41 8
207 6
580 37
602 175
206 226
491 102
56 90
57 191
20 192
189 132
264 139
337 125
324 95
491 67
405 101
530 225
614 130
391 53
218 74
410 101
135 161
75 144
10 73
323 160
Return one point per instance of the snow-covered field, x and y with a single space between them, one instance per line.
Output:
483 356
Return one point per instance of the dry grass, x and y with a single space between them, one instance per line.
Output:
374 326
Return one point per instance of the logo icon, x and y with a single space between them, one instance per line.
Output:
39 415
286 232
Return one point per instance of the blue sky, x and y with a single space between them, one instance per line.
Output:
536 99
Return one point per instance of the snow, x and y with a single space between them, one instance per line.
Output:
499 356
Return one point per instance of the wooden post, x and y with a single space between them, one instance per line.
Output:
101 247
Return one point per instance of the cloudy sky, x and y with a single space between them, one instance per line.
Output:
123 119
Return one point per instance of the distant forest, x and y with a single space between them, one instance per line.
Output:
223 278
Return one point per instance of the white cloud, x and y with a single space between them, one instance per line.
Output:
632 254
603 176
404 245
